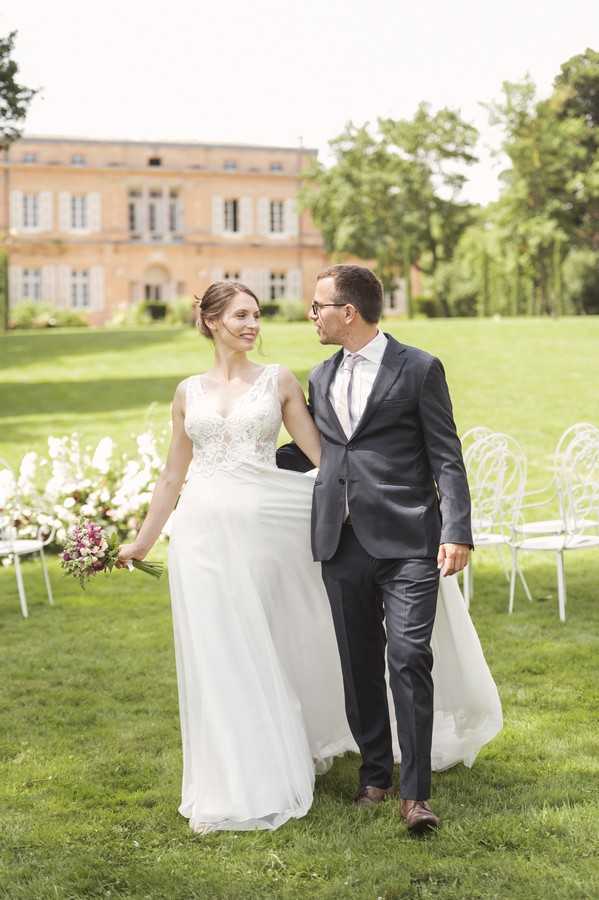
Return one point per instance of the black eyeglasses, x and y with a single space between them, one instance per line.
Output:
316 307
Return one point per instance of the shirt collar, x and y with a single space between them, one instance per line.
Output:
374 350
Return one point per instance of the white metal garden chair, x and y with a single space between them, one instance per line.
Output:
578 492
496 466
568 444
471 437
13 547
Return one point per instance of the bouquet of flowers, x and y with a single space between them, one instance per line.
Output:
89 550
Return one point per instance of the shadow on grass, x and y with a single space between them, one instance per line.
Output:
19 348
89 396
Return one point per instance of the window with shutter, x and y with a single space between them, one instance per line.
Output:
277 286
96 287
94 207
291 220
45 216
48 284
263 211
79 217
262 284
16 209
294 284
64 286
30 216
231 216
134 212
277 217
64 211
31 284
246 223
80 291
218 215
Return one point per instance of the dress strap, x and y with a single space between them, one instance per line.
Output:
272 378
189 381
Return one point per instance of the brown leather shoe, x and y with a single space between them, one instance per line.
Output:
372 796
419 816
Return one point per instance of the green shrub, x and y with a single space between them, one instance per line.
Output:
270 309
180 312
427 306
29 314
291 311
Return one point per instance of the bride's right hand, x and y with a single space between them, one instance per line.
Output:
127 552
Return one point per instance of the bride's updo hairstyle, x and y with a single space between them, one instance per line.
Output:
215 301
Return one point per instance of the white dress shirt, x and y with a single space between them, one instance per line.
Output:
365 372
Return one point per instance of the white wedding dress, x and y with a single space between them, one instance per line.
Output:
259 679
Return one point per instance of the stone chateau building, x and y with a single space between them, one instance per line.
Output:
98 224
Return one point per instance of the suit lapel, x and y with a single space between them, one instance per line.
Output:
324 384
391 366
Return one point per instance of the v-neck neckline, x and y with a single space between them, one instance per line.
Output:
205 393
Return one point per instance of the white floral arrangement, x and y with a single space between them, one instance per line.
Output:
75 482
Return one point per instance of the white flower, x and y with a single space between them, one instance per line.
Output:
27 471
69 502
7 487
103 455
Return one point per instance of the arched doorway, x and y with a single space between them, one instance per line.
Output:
156 286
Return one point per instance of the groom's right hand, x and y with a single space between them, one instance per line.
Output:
452 558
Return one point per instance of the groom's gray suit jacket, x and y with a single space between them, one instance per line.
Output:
402 468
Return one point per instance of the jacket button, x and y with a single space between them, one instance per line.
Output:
342 481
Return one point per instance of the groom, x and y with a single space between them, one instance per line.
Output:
391 512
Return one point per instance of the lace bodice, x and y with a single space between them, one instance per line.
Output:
248 434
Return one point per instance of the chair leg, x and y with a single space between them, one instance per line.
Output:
47 578
524 584
513 579
504 565
561 585
21 586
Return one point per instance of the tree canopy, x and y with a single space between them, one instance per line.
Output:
393 194
14 97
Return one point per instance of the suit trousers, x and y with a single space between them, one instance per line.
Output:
377 603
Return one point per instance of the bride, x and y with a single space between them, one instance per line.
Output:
259 679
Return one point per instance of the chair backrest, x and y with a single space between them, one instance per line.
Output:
471 437
578 481
497 476
572 435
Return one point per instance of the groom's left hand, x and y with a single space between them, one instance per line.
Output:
452 558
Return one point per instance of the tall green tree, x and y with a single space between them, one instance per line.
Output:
14 97
14 103
392 192
549 206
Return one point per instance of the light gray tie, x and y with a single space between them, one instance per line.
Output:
347 419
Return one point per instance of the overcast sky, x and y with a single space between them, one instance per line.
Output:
270 71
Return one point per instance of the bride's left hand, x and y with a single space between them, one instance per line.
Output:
127 552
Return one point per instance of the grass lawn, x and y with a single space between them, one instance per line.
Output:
89 739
